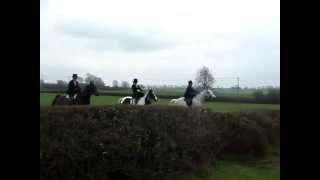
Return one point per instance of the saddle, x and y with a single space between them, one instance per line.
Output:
72 100
136 97
136 100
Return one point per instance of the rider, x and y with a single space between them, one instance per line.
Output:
73 87
137 92
190 93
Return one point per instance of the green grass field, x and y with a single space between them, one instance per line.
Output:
235 170
46 99
263 169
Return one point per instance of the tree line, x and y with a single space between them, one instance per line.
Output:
203 80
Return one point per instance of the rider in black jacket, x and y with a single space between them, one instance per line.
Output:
73 87
190 93
137 92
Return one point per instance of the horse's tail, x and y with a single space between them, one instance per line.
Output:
173 101
55 100
120 99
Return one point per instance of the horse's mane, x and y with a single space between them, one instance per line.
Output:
86 90
147 97
200 95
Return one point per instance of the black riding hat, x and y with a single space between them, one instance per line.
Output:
75 75
135 80
190 82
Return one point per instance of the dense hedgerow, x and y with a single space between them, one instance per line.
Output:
126 142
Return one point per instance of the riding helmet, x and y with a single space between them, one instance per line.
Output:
135 80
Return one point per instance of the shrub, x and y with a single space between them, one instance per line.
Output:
273 95
132 142
258 94
140 143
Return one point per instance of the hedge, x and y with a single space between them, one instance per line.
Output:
156 142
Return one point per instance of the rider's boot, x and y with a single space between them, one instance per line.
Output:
189 102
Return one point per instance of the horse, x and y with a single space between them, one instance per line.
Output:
197 101
145 100
83 98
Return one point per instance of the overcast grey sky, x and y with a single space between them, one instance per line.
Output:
163 41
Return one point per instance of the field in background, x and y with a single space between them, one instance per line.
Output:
248 93
178 91
46 99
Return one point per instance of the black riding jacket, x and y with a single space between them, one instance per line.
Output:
136 90
73 88
190 92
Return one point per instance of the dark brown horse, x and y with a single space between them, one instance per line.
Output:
83 98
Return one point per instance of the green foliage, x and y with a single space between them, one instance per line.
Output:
272 96
243 136
237 170
258 94
152 142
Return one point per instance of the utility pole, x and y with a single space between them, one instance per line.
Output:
238 79
238 85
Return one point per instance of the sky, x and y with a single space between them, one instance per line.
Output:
161 42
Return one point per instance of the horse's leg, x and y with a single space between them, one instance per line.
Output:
55 100
61 100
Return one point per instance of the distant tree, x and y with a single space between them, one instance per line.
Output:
61 85
115 83
125 84
204 78
273 94
98 81
41 83
61 82
258 94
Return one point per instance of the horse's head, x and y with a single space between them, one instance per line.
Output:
209 94
152 95
91 89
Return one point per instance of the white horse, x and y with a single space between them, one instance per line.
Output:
197 101
145 100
